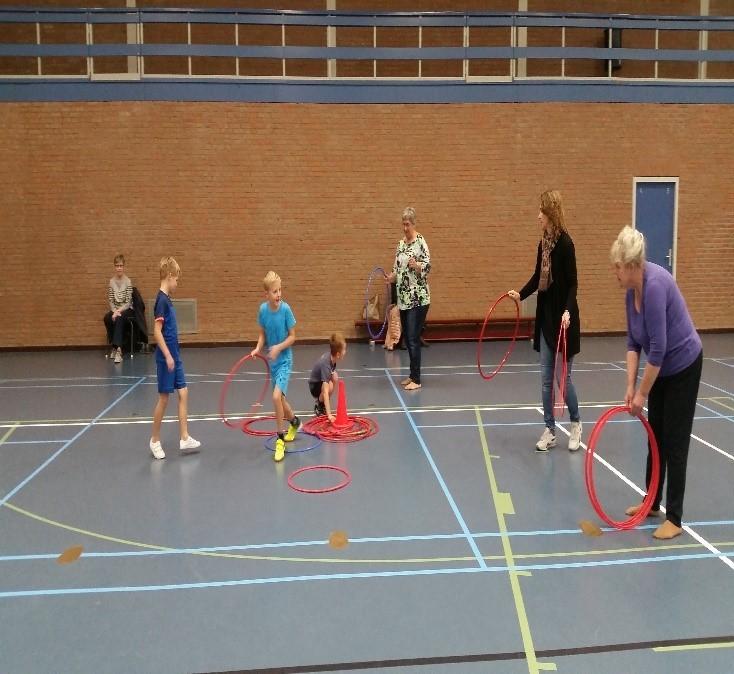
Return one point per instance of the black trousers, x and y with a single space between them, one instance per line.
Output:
116 328
413 321
671 406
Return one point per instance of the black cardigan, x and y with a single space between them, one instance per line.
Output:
561 295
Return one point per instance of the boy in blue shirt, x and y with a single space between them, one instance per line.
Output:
168 363
277 333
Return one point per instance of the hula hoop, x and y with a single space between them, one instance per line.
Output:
559 403
366 300
359 429
512 343
246 426
228 380
270 444
347 479
652 488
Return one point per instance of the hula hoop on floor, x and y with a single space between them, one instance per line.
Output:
512 343
347 479
360 428
270 444
246 426
366 300
559 402
228 380
652 488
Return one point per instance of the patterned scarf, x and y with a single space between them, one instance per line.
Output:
548 242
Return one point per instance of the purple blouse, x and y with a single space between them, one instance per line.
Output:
663 328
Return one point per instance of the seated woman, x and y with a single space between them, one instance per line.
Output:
119 297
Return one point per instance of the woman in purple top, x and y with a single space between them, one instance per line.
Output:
659 324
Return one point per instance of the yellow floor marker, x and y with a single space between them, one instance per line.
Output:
589 528
70 555
338 540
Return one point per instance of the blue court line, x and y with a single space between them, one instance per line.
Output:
437 473
718 414
350 576
723 390
51 458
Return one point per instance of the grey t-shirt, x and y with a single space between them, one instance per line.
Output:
322 370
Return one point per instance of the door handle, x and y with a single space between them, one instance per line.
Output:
669 257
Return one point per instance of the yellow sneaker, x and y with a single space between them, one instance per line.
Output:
279 450
293 429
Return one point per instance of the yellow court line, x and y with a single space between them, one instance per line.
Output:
694 647
11 430
503 505
718 400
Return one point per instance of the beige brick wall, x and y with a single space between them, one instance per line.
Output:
316 192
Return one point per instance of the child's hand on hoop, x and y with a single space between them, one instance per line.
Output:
332 418
254 352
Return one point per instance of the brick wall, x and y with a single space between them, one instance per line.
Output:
316 192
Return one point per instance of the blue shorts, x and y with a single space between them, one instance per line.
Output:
168 381
280 373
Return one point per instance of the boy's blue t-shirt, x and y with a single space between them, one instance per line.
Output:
164 310
276 325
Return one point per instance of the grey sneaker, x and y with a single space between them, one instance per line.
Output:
547 440
118 356
574 440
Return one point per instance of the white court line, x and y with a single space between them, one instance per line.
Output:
724 559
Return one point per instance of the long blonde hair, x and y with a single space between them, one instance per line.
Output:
551 205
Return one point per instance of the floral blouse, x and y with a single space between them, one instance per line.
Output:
412 285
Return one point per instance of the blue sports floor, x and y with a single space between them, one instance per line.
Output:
465 553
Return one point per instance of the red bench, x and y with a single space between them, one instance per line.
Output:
465 329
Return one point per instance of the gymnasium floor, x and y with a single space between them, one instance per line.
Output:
465 553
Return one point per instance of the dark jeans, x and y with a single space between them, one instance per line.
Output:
116 328
413 321
671 406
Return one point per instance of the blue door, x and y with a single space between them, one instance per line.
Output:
655 218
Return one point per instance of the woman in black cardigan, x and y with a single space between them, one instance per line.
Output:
556 283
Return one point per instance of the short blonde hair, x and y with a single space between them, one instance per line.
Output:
270 278
409 214
551 205
169 267
337 343
629 248
120 259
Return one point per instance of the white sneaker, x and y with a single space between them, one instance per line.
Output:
189 446
547 440
156 450
118 356
574 440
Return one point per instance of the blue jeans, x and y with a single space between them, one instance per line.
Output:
413 320
547 356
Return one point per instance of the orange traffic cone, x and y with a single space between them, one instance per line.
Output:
342 420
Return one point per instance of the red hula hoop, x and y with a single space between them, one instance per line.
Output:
652 488
359 429
228 380
559 404
509 348
347 479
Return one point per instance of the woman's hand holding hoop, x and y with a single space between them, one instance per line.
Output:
514 295
566 319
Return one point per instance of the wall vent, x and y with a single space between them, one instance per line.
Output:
186 315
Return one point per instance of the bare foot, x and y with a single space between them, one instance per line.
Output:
412 386
406 381
666 531
633 510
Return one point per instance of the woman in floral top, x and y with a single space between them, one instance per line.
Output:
410 272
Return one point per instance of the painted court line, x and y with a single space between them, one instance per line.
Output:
503 506
439 477
61 449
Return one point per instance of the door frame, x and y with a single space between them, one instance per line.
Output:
659 179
